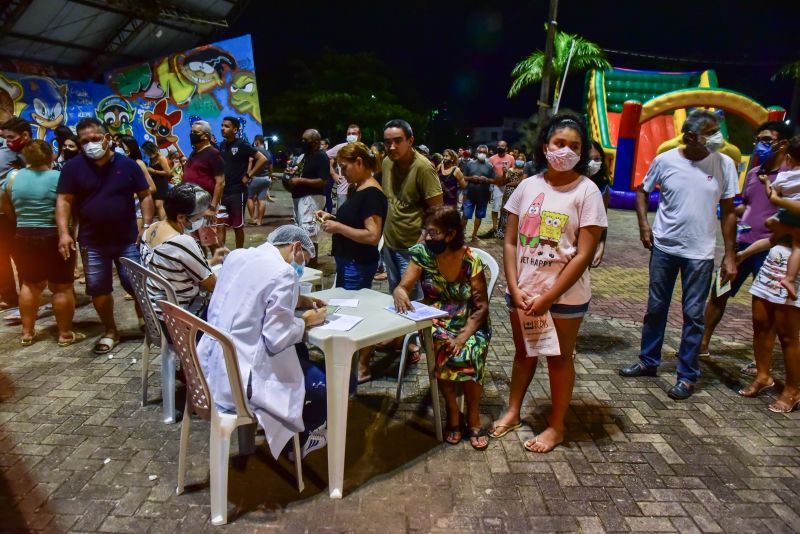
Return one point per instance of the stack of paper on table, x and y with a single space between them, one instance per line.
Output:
421 312
344 303
340 322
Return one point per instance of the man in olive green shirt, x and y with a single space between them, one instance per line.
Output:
411 186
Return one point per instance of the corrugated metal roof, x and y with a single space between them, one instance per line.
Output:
94 35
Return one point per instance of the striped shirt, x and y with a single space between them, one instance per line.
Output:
180 261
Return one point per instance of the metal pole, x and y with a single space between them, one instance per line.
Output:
547 68
563 80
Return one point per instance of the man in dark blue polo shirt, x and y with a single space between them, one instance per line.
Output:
98 187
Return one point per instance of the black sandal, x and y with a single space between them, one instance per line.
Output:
451 431
478 433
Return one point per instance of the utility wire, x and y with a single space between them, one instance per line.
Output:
707 61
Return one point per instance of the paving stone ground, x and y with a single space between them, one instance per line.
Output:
78 452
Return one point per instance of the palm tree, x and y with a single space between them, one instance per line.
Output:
587 55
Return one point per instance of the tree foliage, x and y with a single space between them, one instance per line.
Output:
336 90
790 71
587 55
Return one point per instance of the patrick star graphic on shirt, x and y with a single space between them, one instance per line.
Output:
529 229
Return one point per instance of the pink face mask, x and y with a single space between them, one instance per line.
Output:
562 159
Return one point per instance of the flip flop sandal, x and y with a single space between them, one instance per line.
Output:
761 387
105 345
749 369
364 379
416 355
528 446
27 341
451 431
781 407
507 429
477 433
76 338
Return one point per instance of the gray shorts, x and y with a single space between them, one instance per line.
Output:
258 187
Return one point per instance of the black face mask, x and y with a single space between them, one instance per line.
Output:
501 151
306 145
69 154
436 246
195 138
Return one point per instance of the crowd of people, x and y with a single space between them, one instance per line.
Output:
394 209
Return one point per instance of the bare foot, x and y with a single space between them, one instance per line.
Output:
544 442
790 288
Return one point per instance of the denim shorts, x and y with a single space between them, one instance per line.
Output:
258 187
558 311
97 263
469 208
352 275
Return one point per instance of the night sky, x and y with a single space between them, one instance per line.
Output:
461 54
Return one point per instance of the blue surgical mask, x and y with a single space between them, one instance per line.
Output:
763 151
299 268
519 163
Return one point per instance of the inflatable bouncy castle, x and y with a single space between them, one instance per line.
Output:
637 114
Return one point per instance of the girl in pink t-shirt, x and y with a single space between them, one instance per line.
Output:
555 222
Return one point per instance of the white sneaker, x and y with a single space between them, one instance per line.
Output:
316 440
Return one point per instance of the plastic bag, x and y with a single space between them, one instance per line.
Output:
539 334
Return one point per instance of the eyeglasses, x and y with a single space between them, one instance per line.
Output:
432 232
763 139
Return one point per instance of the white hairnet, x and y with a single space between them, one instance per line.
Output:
288 234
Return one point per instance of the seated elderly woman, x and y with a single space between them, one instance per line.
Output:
453 280
168 250
255 301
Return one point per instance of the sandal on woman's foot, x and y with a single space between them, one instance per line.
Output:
755 389
105 345
749 369
474 435
453 435
363 379
539 446
381 277
27 341
498 431
76 337
781 406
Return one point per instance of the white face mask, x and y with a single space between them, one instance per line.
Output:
94 149
593 167
351 138
481 157
194 225
714 142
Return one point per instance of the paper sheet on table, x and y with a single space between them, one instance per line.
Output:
340 322
720 290
344 303
539 334
421 312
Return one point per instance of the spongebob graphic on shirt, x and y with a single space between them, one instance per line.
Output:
540 228
550 231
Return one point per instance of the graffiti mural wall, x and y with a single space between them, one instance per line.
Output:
156 101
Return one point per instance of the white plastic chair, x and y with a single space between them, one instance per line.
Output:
494 272
140 276
183 328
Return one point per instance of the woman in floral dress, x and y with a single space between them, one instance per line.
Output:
453 280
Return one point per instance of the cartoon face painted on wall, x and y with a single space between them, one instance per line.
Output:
47 104
159 124
116 113
10 96
244 94
205 67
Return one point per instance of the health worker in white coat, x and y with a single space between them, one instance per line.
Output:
255 299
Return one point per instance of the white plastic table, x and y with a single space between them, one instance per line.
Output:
312 276
378 325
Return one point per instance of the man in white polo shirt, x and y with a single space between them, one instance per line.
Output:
692 180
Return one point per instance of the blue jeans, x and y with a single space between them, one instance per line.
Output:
396 262
695 283
352 275
97 268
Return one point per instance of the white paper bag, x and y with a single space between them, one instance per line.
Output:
539 334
